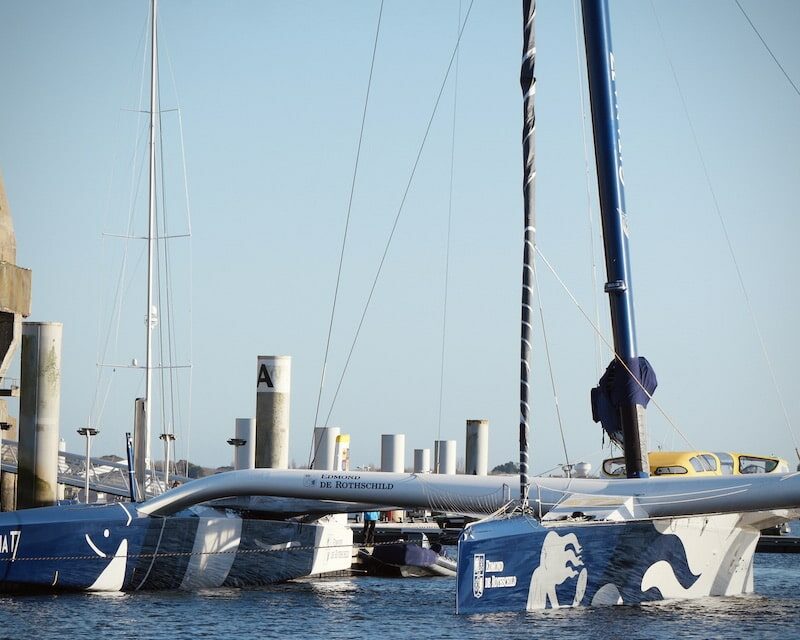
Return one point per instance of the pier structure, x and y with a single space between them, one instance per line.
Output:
15 304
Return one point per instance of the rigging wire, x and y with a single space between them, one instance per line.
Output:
766 46
158 260
538 293
180 418
175 386
399 211
315 444
135 182
726 235
188 422
447 252
581 67
611 347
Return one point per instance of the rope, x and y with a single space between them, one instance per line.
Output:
312 454
399 212
727 237
185 554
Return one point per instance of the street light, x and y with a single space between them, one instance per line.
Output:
88 432
167 438
4 426
236 443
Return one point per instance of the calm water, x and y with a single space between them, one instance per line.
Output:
394 609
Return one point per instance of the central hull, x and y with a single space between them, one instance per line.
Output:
517 564
114 548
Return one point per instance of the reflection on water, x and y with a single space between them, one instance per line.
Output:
397 609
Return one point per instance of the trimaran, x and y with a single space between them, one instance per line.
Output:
549 542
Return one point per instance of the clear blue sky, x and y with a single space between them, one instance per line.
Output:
271 95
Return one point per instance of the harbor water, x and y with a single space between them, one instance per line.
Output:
362 607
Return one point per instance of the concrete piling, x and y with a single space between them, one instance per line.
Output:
393 452
342 453
444 453
39 404
244 456
477 455
324 456
273 394
422 460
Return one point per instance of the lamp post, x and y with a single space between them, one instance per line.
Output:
236 443
167 438
88 432
4 426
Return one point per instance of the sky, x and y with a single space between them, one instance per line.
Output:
271 96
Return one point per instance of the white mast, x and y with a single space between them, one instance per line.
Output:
151 317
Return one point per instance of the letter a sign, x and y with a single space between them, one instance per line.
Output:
274 374
264 377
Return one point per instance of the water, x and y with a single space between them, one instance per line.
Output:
394 609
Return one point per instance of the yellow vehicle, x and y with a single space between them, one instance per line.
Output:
699 463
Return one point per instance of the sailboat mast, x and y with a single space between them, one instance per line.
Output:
605 125
528 85
150 317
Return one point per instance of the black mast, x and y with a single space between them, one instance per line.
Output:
528 84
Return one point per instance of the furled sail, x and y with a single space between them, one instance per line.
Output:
528 85
618 388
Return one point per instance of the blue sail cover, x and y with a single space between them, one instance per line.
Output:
617 388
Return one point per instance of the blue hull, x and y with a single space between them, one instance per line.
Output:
517 564
114 548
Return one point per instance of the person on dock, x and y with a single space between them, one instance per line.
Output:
370 518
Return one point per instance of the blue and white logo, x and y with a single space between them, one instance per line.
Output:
479 569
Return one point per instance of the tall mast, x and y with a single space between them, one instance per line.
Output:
630 401
528 85
151 223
